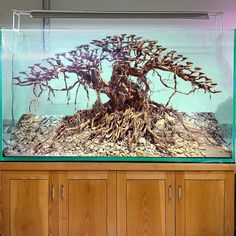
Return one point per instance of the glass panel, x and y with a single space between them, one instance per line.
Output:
118 93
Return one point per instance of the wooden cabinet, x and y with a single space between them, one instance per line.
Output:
59 203
117 203
26 203
204 203
146 202
190 203
87 203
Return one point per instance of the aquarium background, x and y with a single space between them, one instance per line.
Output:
210 50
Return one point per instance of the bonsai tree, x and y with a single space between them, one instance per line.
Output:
129 113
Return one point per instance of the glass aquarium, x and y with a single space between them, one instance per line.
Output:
112 93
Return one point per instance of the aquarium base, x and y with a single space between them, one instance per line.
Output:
34 136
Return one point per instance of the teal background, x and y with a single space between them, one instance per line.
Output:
202 47
122 159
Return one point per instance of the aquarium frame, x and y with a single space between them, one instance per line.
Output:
234 102
16 18
113 159
1 128
117 159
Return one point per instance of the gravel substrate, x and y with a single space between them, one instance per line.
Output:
37 132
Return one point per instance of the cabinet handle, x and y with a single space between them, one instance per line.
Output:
179 193
170 192
53 192
62 192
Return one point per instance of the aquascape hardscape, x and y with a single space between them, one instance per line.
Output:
129 122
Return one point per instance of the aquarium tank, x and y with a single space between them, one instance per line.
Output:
118 93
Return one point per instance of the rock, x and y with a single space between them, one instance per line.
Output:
33 130
92 154
194 145
180 150
212 141
142 140
95 141
160 124
171 119
140 153
116 153
179 141
225 148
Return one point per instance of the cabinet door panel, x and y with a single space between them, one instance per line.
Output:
145 204
26 203
203 204
89 204
146 207
87 207
29 207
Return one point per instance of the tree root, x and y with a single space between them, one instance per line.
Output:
128 124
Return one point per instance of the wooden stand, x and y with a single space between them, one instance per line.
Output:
116 199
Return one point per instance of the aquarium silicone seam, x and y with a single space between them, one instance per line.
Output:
234 101
1 88
116 159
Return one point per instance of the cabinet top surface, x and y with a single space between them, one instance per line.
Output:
112 166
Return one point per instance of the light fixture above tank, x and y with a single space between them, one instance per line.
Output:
119 14
198 15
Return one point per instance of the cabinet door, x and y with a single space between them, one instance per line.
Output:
204 203
146 203
26 203
87 203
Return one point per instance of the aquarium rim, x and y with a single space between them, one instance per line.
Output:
198 15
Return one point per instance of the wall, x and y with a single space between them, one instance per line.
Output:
227 6
6 15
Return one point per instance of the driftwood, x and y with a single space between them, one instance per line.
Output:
130 113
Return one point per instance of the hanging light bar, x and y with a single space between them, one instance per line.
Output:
123 14
198 15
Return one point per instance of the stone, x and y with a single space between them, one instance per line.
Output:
160 124
194 145
142 140
33 130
